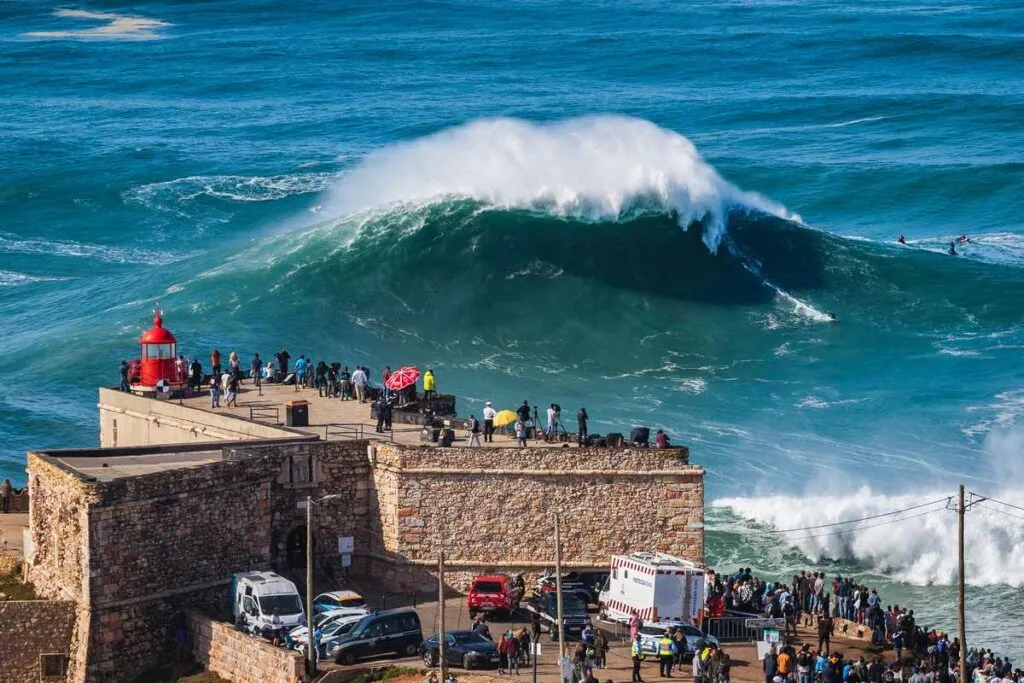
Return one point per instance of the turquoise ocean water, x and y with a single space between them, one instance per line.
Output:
647 208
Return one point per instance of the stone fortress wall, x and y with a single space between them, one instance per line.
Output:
32 631
494 509
134 552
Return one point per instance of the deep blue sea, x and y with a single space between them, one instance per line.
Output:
645 207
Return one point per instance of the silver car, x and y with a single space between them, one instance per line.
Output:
650 634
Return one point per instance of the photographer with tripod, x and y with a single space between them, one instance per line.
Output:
554 422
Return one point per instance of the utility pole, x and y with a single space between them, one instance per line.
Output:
535 644
960 511
442 644
310 644
558 588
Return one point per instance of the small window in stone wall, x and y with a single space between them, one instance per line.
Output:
301 469
53 666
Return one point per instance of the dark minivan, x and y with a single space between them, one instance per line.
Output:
383 633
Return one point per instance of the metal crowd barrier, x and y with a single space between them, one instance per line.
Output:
735 629
264 410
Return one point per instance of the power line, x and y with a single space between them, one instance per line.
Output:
1002 512
864 519
1009 505
869 526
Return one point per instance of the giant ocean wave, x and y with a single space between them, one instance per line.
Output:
593 168
478 216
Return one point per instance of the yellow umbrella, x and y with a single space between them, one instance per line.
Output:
505 417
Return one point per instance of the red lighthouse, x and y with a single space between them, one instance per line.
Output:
159 351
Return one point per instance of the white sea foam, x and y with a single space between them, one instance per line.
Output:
693 385
819 403
13 244
10 278
766 130
115 27
230 187
1002 413
921 548
591 168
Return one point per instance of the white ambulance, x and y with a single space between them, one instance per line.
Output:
656 587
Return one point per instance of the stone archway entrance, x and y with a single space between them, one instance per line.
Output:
295 548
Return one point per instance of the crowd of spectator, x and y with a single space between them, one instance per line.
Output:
844 605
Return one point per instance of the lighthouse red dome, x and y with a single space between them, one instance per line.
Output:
158 334
159 350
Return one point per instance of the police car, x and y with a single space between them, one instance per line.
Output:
650 634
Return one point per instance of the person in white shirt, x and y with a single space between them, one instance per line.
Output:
552 416
359 380
489 414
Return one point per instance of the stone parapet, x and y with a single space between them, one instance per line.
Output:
239 657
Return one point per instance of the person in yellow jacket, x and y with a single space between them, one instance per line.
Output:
666 654
429 385
638 656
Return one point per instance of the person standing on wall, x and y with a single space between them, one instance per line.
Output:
378 405
581 425
195 376
256 370
214 393
124 376
521 432
359 380
6 491
524 412
429 385
215 364
385 375
637 652
474 431
489 414
232 394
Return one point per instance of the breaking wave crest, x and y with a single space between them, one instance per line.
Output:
593 168
917 546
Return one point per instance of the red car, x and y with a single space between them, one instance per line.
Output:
493 593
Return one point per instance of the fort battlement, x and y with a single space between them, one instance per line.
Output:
136 534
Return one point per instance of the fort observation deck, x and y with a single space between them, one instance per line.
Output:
332 419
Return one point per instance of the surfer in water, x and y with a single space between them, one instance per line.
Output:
952 249
833 318
901 240
963 239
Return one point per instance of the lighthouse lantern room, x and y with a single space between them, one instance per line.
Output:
159 351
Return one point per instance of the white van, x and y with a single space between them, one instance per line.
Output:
259 595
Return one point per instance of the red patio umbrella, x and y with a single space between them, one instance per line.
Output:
402 378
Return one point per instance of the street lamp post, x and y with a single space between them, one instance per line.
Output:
558 585
558 590
310 645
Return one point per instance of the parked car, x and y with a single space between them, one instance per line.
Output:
384 633
650 634
331 628
493 593
574 613
571 585
258 596
467 649
335 600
